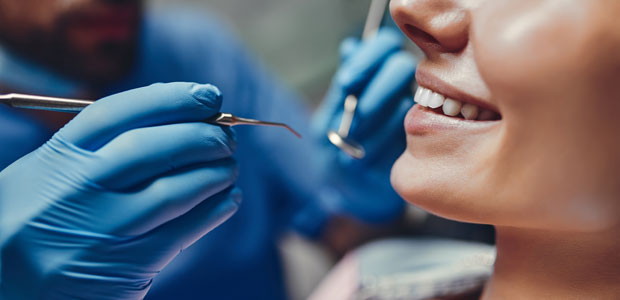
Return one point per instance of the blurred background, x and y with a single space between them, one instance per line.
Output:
296 39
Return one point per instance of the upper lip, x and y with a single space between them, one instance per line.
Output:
429 81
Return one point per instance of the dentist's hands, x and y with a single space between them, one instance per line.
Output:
115 195
381 74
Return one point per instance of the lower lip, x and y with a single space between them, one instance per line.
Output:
423 121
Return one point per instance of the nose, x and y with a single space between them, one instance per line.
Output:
436 26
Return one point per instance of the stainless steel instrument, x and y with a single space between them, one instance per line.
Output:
77 105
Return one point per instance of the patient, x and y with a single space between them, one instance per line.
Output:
517 126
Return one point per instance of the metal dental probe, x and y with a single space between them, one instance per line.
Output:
341 138
77 105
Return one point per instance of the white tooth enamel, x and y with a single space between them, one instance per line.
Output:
486 115
425 97
435 100
451 107
469 111
418 93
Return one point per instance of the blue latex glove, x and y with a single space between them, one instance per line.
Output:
381 74
115 195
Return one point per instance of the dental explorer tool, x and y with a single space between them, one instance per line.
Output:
77 105
341 138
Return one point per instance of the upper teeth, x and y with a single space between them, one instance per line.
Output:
451 107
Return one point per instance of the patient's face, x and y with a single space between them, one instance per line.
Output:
549 70
90 39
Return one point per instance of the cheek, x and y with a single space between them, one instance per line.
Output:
527 43
536 58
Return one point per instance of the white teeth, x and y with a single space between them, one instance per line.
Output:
486 115
418 93
452 107
469 111
436 100
425 96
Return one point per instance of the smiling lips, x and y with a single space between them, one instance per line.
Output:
453 108
437 113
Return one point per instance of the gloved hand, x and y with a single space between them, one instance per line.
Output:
115 195
381 74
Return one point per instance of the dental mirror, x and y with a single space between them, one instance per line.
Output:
341 138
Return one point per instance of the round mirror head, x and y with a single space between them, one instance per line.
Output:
349 146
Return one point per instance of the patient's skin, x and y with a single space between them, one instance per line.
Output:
547 174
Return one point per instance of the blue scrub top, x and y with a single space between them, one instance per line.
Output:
238 260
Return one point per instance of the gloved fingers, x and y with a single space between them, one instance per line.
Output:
328 115
383 94
169 197
331 111
361 66
361 61
389 140
347 48
157 104
141 154
185 230
383 143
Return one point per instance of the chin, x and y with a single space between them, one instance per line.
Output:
440 188
466 193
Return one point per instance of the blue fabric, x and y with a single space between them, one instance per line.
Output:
18 135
